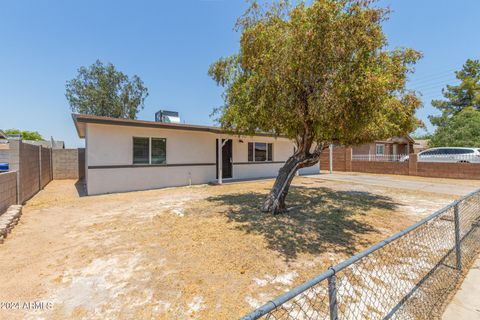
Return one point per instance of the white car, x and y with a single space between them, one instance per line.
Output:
449 154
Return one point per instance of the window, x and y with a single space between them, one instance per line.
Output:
141 151
250 151
149 150
159 151
379 149
260 151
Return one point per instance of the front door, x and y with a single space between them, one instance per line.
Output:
227 156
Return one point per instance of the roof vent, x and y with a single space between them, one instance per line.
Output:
167 116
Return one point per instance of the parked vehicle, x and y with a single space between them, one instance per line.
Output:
3 166
449 154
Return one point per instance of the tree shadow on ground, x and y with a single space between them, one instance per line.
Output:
319 219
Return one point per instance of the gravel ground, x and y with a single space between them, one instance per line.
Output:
201 252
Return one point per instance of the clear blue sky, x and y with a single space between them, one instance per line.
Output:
170 45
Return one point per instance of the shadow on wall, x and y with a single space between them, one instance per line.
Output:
320 219
81 187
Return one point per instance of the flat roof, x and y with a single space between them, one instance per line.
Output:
81 120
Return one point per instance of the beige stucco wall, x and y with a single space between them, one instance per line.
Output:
109 145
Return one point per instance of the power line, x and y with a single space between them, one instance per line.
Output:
435 74
442 78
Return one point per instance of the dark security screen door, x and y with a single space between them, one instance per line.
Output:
227 156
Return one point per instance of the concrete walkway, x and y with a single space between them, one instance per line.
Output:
443 186
466 303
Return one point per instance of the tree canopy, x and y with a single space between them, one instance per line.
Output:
103 91
317 74
461 130
26 135
459 97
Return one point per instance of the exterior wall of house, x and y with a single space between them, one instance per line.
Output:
190 158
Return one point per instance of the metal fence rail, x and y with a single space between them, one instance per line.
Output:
407 276
380 157
455 158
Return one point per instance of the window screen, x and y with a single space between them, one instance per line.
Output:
159 151
250 151
141 152
260 151
379 149
270 152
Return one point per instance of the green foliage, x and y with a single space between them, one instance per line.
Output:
26 135
466 94
317 73
461 130
424 136
103 91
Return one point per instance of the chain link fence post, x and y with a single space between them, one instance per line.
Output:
332 297
458 252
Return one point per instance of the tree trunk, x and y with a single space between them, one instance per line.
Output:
275 201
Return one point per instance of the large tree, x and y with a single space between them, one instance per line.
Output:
317 74
457 98
104 91
460 130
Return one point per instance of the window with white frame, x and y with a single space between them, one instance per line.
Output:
380 149
260 151
147 150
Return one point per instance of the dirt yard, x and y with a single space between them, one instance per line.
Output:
201 252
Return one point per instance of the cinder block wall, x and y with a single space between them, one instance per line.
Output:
8 190
4 155
388 167
68 163
46 174
339 163
413 167
29 171
449 170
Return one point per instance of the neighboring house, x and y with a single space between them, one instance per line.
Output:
127 155
3 135
420 145
390 147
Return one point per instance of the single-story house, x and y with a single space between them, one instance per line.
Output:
127 155
390 147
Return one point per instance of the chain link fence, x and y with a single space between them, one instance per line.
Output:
407 276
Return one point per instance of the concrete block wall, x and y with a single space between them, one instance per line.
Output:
8 190
32 165
342 161
29 171
389 167
448 170
339 159
46 172
68 163
4 157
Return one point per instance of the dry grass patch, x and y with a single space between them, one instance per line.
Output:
203 252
